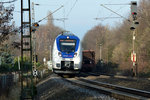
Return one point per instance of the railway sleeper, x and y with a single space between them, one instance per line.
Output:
111 92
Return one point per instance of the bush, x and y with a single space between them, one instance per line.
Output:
145 75
5 68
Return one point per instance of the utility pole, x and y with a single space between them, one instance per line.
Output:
34 43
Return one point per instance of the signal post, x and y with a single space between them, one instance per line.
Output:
133 29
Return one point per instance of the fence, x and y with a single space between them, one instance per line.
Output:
8 80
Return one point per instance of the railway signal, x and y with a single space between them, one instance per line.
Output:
134 15
134 9
133 28
35 73
34 27
134 25
133 57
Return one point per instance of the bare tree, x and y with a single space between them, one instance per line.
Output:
6 27
46 35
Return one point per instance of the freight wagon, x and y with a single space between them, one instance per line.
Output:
88 63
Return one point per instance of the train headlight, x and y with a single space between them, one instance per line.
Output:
59 54
75 54
76 67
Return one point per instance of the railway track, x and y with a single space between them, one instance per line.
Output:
118 92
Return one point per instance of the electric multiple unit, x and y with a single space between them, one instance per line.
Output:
67 54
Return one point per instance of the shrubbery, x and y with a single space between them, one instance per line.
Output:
14 65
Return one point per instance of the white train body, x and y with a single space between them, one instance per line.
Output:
67 54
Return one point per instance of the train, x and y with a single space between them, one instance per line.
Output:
67 54
88 63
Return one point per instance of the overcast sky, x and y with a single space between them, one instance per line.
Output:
80 13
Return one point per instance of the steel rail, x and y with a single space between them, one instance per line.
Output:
118 92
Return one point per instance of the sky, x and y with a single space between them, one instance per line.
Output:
80 14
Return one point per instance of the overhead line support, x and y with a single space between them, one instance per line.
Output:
26 70
115 12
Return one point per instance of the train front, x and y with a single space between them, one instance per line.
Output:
67 55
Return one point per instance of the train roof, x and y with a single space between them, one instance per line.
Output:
66 35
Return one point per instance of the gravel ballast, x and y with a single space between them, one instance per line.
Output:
55 88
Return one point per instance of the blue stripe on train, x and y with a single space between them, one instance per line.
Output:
64 54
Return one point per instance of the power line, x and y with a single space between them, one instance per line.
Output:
72 7
103 18
26 26
118 4
44 4
8 1
58 19
114 12
109 17
50 14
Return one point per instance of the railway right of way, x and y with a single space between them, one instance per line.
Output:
118 92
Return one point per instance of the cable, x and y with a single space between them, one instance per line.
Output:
44 4
72 7
50 14
107 18
118 4
64 20
42 18
8 1
114 12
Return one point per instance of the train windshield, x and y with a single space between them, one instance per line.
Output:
67 45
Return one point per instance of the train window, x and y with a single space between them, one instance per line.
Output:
67 45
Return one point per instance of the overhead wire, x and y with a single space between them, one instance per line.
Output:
8 1
103 18
114 12
64 12
72 8
109 17
118 4
44 4
64 17
49 14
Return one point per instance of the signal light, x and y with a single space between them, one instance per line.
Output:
136 23
132 28
33 29
35 24
134 3
134 13
134 9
